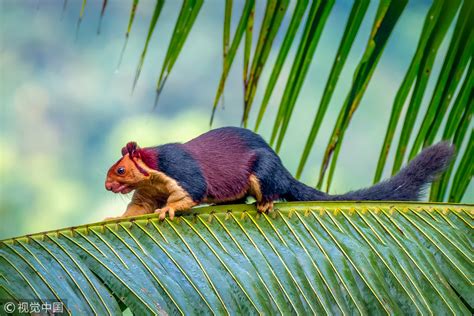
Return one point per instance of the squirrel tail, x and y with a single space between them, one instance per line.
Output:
406 185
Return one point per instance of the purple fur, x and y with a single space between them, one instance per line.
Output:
225 162
217 166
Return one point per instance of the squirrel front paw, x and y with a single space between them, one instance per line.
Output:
163 212
265 207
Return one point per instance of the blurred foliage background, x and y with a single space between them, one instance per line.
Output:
67 108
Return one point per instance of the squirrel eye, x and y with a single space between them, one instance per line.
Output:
121 170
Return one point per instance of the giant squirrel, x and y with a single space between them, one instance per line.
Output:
228 164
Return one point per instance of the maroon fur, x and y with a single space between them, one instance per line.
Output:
226 172
147 155
130 149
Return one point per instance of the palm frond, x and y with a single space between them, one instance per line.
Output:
272 20
151 28
353 24
187 16
455 62
331 258
430 21
464 173
317 16
81 15
131 18
227 23
387 16
424 72
239 32
295 22
455 130
248 47
443 17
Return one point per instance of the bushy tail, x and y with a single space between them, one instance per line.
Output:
407 185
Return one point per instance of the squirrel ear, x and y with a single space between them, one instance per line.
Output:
131 148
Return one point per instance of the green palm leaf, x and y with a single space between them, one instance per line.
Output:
187 16
333 258
317 16
272 20
282 54
424 72
410 76
353 24
156 14
457 58
442 16
455 130
248 46
229 57
133 11
387 16
81 15
465 170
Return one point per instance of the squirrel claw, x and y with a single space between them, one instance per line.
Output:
163 212
265 207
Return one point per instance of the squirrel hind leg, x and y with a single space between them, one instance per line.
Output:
264 203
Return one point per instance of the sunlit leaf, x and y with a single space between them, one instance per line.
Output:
131 18
304 258
431 20
387 16
83 7
424 72
81 15
455 62
353 24
151 28
227 23
271 24
457 122
317 16
295 22
244 18
187 16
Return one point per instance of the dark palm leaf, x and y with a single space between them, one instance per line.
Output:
321 258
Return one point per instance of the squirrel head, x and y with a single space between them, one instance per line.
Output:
129 171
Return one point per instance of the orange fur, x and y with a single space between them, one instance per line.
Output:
130 179
254 190
154 192
159 193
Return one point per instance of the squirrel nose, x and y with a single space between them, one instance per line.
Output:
108 186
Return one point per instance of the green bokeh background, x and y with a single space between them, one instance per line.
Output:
66 109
